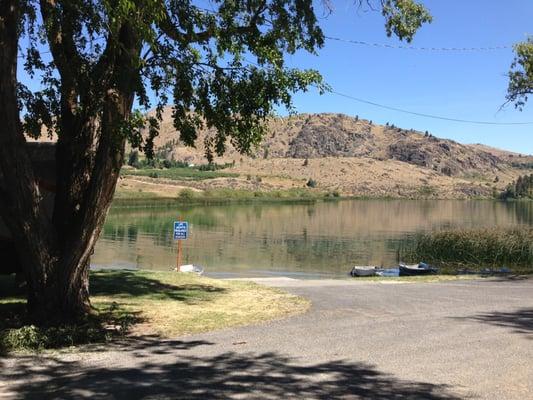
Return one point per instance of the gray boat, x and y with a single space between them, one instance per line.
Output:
365 271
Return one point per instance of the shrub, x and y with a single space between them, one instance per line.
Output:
311 183
446 171
521 188
133 159
214 166
186 194
335 193
109 323
426 190
153 175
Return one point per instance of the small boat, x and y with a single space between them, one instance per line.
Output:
190 268
365 271
417 269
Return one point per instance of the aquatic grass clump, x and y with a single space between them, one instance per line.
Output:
475 248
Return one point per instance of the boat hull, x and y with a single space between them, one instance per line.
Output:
415 271
189 268
364 271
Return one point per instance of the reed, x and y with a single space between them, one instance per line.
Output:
475 249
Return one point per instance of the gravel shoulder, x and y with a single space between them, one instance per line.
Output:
360 340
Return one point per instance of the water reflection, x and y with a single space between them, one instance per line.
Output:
263 239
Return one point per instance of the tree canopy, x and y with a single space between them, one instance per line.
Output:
225 63
521 74
222 67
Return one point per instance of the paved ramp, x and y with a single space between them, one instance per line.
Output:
360 340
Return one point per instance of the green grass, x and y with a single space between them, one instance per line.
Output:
224 196
453 250
426 191
191 174
134 303
130 194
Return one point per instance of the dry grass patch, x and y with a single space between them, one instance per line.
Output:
174 304
133 303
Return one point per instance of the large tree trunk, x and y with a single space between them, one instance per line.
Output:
55 250
20 197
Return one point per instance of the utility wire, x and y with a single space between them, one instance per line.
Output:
404 47
467 121
439 117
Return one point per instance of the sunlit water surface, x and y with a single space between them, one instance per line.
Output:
300 240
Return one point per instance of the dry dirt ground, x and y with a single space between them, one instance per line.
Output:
349 176
351 156
354 157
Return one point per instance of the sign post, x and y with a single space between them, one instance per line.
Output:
181 232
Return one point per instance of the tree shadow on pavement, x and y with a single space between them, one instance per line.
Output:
228 375
520 321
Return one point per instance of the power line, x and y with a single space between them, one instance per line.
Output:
404 47
389 46
426 115
439 117
467 121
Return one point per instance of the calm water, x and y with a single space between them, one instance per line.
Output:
307 240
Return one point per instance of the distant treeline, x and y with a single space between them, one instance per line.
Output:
519 165
157 161
522 188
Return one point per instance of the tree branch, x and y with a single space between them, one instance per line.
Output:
168 28
60 39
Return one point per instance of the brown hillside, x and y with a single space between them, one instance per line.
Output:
336 135
349 155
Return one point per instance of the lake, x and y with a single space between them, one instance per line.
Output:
322 239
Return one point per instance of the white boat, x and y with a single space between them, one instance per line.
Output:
190 268
364 271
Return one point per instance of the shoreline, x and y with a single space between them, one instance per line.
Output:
127 202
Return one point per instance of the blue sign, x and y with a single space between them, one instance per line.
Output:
181 230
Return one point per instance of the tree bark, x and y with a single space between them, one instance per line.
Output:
20 197
55 251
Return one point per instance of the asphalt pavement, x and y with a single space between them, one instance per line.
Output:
360 340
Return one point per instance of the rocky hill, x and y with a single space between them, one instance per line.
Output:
357 157
337 135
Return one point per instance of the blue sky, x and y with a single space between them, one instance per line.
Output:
465 85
